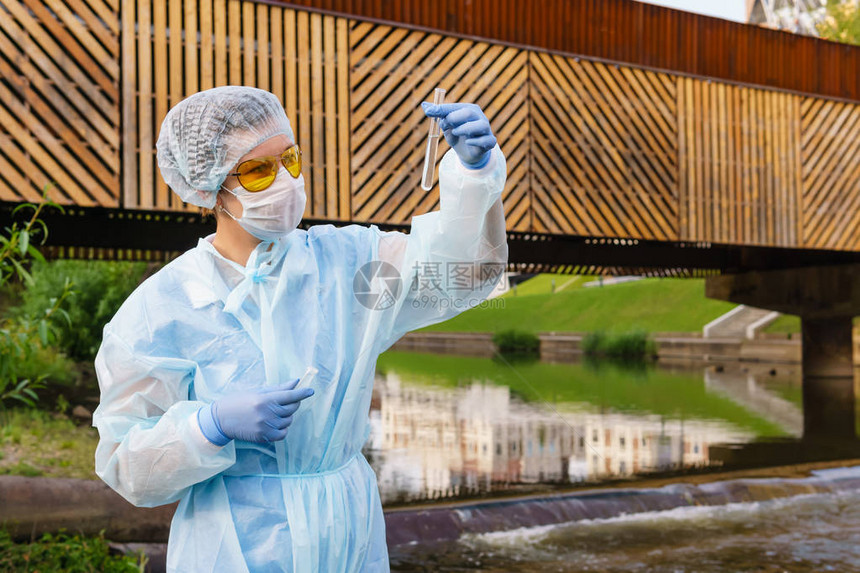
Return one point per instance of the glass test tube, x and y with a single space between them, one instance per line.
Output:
432 144
307 377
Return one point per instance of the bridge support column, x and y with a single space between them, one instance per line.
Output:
828 377
826 299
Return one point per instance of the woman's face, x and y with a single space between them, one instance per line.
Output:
273 146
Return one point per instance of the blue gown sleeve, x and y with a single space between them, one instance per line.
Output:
151 448
452 258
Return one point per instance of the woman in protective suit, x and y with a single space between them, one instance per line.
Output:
198 368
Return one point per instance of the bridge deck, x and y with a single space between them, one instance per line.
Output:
762 153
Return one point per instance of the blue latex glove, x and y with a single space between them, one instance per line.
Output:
262 415
467 130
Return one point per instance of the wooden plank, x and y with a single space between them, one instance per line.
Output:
380 101
604 220
820 114
129 110
755 169
724 205
737 165
207 70
558 203
14 190
316 111
849 224
144 122
234 23
109 17
379 64
769 196
263 47
596 165
291 67
644 86
41 95
177 72
683 171
343 123
74 46
660 171
160 72
191 47
759 179
91 33
706 192
277 27
725 189
699 233
830 222
330 94
29 188
367 155
781 182
692 154
357 30
101 113
613 99
798 174
796 190
369 43
810 109
650 121
368 176
68 174
102 179
818 150
815 147
373 89
846 201
219 11
747 159
364 129
249 76
303 88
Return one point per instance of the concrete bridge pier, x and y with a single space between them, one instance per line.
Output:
826 298
828 377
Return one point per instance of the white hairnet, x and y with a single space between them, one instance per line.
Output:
204 135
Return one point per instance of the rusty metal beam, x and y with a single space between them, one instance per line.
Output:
624 31
161 235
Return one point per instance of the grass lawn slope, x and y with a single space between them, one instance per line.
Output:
654 305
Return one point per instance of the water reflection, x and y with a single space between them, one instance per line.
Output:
450 426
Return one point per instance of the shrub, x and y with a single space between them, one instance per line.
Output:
100 288
626 345
594 343
516 342
22 338
69 554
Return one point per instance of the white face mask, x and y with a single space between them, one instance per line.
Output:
274 212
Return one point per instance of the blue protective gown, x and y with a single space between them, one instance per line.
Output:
204 326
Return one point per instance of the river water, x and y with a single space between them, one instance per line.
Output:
448 426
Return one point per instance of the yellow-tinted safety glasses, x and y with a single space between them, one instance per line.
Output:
259 173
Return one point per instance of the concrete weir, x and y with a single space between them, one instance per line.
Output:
448 522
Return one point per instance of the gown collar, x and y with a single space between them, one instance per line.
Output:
261 263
